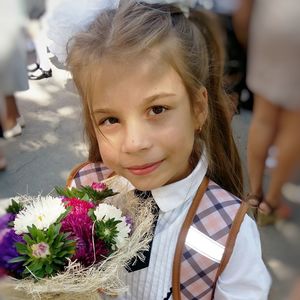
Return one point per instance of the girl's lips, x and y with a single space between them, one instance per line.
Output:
144 169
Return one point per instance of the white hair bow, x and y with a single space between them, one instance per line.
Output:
183 5
70 17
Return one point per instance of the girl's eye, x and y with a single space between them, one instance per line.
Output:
156 110
109 121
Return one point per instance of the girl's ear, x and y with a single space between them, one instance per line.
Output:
200 108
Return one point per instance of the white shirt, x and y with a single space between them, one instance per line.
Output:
245 276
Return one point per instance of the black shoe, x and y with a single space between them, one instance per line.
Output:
40 74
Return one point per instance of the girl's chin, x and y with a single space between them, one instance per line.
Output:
145 185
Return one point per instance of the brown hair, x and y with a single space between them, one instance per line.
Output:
191 45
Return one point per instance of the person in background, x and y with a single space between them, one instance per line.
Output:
41 68
13 73
271 32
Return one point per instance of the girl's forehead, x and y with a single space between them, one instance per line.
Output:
112 73
137 78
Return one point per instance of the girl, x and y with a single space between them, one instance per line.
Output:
155 113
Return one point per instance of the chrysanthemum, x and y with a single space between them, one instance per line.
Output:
123 233
104 212
42 213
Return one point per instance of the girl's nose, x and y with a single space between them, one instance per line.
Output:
136 138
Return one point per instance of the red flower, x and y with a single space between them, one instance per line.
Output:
79 223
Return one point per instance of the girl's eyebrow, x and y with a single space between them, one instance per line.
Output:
157 96
148 100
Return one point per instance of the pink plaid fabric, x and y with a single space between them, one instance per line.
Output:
214 218
89 173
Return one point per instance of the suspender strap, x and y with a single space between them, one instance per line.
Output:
181 239
231 240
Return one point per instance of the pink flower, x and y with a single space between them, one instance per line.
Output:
40 250
79 223
99 186
78 216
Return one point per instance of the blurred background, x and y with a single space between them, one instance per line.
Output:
41 134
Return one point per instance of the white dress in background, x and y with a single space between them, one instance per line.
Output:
274 52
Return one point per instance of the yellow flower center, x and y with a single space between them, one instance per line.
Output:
41 217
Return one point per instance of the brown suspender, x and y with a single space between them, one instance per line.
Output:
181 238
183 233
231 240
184 230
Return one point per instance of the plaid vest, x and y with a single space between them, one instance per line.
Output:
209 241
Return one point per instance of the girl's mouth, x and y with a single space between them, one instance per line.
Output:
144 169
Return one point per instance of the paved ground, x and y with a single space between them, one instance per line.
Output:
53 142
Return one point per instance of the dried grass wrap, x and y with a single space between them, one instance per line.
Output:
84 283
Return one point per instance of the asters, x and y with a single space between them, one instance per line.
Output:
42 213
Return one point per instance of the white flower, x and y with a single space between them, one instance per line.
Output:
123 232
105 212
42 213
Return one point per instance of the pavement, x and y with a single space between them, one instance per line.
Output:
53 142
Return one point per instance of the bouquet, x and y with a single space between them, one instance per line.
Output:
72 246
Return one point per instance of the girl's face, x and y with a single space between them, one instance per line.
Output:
144 122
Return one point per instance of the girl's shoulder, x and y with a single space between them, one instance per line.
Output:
87 173
221 194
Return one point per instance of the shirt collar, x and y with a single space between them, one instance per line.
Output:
173 195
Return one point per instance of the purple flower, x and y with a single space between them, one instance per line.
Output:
129 221
8 251
5 219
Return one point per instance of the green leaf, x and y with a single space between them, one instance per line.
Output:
85 197
60 248
15 207
63 215
59 261
107 230
85 193
21 248
17 259
28 239
49 269
92 215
